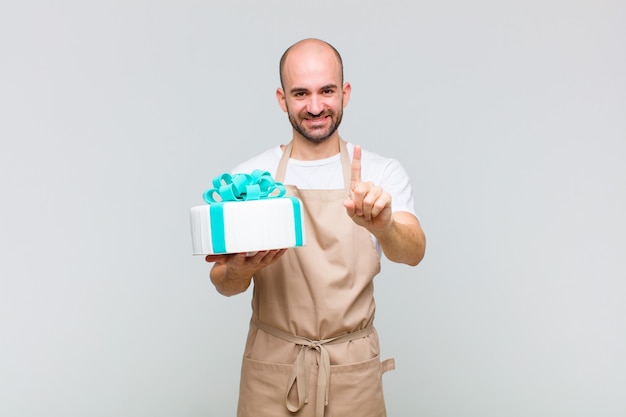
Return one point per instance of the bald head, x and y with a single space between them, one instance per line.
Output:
307 48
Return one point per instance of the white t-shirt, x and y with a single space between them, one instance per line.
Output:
326 174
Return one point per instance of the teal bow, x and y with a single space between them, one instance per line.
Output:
242 187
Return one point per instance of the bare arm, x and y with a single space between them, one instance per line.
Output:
404 241
400 235
232 273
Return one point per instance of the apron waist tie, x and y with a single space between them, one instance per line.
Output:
302 367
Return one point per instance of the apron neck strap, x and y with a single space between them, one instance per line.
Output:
345 163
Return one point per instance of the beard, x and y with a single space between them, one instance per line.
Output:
316 135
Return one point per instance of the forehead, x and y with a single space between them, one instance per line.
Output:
311 66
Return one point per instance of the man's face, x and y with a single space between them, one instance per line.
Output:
313 94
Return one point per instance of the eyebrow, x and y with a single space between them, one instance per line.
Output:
298 90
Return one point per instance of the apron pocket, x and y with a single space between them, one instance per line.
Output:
262 389
357 389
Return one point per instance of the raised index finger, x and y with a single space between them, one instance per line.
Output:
356 166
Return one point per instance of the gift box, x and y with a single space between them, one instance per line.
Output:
246 213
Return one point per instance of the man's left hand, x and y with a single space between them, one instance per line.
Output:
369 205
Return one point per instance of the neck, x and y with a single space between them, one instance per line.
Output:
305 150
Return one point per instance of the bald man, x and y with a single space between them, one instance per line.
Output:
312 348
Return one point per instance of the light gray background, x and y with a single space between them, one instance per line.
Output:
509 117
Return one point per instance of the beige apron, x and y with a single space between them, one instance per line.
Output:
312 350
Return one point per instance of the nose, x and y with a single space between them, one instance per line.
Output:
315 105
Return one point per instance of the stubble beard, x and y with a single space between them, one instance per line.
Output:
321 136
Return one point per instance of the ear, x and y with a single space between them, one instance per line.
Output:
282 100
347 89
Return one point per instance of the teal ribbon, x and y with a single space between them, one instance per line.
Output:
244 187
297 219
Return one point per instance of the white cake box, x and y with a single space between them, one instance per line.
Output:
269 222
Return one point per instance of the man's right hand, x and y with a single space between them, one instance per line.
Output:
232 273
